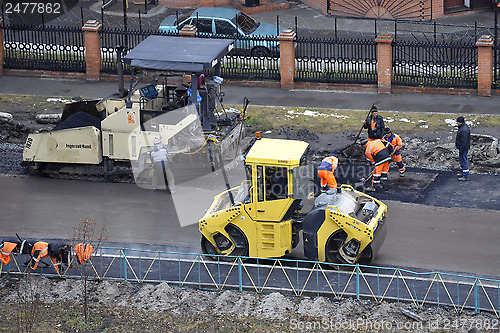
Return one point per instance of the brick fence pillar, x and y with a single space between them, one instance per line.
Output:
188 31
93 49
484 65
287 58
2 49
384 59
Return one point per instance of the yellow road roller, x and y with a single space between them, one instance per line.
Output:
263 216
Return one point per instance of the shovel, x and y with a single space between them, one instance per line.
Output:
357 137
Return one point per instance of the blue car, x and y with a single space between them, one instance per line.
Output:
229 23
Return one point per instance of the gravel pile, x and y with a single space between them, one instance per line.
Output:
301 314
11 155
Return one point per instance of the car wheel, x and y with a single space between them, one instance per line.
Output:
260 51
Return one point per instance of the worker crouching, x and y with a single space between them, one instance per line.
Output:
6 248
58 254
326 171
397 144
379 154
83 252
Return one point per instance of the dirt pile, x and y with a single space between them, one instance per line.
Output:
441 154
296 314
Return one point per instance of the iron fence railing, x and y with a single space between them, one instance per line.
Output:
336 60
44 48
496 67
431 64
295 277
253 58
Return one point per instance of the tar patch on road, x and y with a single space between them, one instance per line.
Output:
428 187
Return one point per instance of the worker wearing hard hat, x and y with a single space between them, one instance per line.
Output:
379 154
397 144
375 125
161 167
326 171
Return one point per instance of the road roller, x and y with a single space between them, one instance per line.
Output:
263 216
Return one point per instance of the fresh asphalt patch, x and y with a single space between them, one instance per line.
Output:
428 187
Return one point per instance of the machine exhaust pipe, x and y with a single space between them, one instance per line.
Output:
119 65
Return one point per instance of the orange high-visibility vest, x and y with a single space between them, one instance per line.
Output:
83 252
5 252
40 250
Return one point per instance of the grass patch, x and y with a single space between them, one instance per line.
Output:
35 104
335 120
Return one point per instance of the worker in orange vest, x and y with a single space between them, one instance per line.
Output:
326 171
397 144
6 248
83 252
40 250
379 153
57 253
375 125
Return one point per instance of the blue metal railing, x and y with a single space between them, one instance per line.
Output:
295 277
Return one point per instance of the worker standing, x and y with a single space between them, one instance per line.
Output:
462 143
326 171
397 144
379 154
375 125
6 248
161 168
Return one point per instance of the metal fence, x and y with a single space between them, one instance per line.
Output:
496 66
44 48
336 60
294 277
432 64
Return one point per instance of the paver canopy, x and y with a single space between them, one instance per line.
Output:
178 54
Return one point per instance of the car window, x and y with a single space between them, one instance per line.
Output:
188 21
223 27
246 23
203 25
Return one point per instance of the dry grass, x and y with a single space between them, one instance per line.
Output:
335 120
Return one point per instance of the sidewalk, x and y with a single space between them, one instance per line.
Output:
454 104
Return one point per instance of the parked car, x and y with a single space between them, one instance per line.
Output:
230 23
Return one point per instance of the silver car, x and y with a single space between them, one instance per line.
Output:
249 34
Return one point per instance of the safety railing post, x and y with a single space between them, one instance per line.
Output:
125 264
199 274
159 267
476 297
218 269
437 291
240 275
140 263
258 273
357 282
298 288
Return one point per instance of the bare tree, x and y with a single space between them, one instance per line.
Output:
86 236
28 305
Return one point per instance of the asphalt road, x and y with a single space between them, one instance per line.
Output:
419 236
